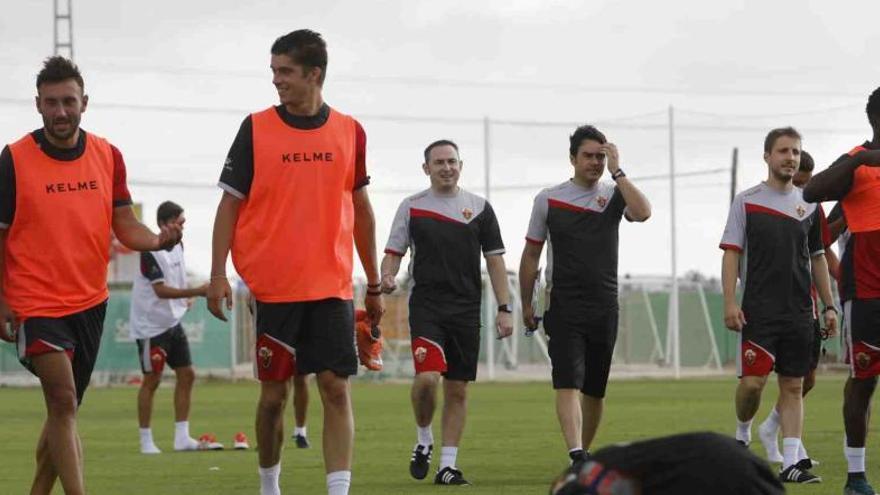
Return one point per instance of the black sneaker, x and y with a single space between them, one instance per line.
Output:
578 456
301 441
421 461
805 464
794 474
450 476
857 484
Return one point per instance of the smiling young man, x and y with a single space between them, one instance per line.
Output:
854 181
773 243
580 219
294 198
62 193
768 431
447 229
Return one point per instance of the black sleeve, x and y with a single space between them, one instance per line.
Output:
833 183
836 213
490 232
815 239
150 267
238 170
7 188
617 205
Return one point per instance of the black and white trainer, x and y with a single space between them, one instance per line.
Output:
794 474
420 461
450 476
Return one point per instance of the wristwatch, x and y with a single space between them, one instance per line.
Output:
618 174
504 308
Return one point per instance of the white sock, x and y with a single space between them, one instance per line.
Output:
300 430
181 431
269 480
790 448
802 452
146 436
425 434
771 424
447 457
744 431
338 482
855 459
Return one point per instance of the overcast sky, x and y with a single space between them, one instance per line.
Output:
170 82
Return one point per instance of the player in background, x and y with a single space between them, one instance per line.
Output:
854 181
773 243
447 229
300 410
297 171
580 219
160 297
62 192
768 431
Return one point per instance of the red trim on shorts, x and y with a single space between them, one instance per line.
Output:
391 251
756 361
534 241
40 346
865 360
428 355
274 361
158 356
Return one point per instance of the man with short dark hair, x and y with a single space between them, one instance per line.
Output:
160 296
294 198
447 229
579 219
772 242
62 194
854 181
769 429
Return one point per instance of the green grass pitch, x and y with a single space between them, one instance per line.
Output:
512 443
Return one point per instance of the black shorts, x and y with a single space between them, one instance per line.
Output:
170 346
581 346
816 351
784 346
305 337
861 330
444 340
78 335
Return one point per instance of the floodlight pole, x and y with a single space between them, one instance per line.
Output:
672 330
487 297
63 44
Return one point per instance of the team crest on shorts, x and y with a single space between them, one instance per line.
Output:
800 210
265 355
467 213
420 354
750 357
156 357
863 360
601 201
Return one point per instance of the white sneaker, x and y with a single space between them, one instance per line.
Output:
768 440
208 441
150 449
185 444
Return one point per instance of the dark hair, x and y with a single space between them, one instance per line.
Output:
581 134
439 142
873 107
775 134
305 47
57 69
168 210
807 162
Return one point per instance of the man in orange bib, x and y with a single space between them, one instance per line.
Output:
62 193
854 181
294 198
